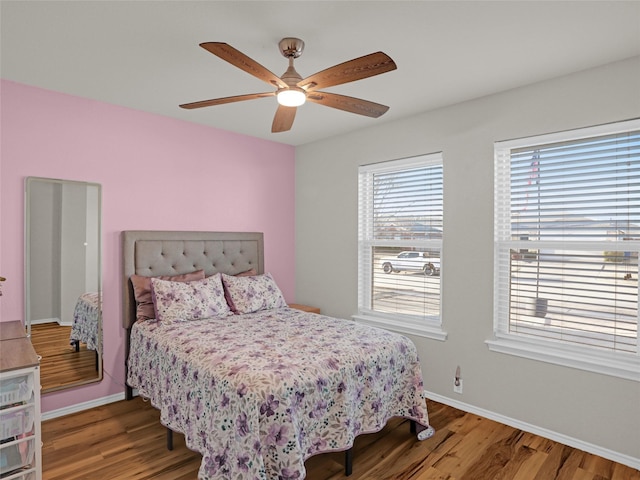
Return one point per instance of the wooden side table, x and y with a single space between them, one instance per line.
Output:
304 308
12 329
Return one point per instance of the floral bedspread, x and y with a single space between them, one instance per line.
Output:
258 394
85 320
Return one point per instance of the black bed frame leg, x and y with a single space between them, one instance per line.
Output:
169 439
348 462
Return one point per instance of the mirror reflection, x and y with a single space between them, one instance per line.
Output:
63 280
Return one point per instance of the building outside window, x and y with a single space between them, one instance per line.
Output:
567 237
400 245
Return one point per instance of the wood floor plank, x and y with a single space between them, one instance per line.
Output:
622 472
517 463
61 364
125 441
495 457
534 461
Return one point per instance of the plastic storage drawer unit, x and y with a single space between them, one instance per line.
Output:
16 421
16 454
16 390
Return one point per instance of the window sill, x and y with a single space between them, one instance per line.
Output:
619 365
434 333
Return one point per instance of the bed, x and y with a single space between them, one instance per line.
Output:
86 319
256 392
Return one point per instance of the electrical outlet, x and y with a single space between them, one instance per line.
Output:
458 388
457 381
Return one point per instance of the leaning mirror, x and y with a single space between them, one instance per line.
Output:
63 301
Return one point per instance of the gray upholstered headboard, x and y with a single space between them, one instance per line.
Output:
150 253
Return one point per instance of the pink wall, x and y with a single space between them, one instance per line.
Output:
156 174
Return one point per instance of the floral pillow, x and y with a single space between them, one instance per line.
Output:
142 291
182 301
246 273
249 294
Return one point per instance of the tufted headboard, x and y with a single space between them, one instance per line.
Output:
151 253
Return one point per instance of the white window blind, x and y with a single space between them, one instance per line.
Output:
567 233
400 241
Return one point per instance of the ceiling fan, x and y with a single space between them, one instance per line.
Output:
293 90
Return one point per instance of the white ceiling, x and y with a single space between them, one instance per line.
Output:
145 55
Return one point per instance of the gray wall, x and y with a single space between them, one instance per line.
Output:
62 217
73 251
45 218
595 409
45 213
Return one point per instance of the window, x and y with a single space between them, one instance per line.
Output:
400 244
567 237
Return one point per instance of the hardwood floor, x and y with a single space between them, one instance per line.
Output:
125 441
61 364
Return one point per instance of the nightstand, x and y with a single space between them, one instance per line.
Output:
304 308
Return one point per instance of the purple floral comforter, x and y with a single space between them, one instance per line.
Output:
86 317
258 394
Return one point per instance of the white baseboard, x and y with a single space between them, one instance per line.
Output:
543 432
42 321
78 407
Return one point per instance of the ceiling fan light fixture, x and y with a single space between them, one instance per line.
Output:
291 97
293 90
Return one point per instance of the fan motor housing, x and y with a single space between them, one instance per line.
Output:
291 47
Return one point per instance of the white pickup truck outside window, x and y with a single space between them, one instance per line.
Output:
400 242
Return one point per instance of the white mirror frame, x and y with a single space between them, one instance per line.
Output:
96 271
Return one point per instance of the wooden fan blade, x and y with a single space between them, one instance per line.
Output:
238 59
221 101
283 119
348 104
356 69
